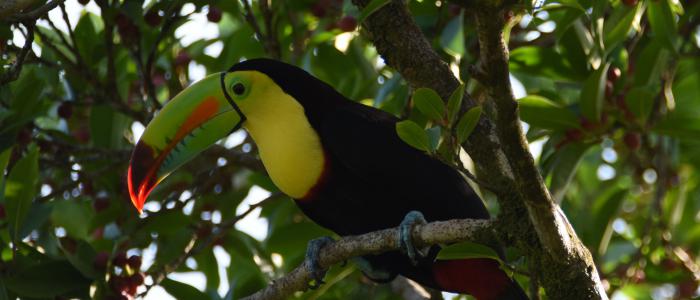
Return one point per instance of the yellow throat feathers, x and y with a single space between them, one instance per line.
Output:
289 147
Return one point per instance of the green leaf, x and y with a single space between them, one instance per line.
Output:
454 104
654 57
434 134
465 250
87 39
565 161
452 37
593 94
543 62
467 123
371 8
20 189
82 259
4 160
540 112
616 32
47 280
640 101
429 103
107 127
413 135
605 210
181 290
663 23
73 217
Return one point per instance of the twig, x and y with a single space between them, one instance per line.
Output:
34 14
441 232
13 73
271 43
250 18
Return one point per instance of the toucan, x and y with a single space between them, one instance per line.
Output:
341 161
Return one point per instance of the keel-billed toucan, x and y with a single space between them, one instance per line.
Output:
342 162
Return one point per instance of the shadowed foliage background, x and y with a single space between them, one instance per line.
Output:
609 90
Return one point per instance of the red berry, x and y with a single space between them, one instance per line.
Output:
65 110
214 14
574 134
204 230
508 15
152 18
120 259
588 125
99 233
100 260
2 211
119 284
100 204
633 140
630 2
122 20
687 289
318 10
82 134
136 279
182 58
614 74
454 10
347 24
24 136
84 2
69 245
134 262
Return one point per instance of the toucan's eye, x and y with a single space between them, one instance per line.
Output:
238 89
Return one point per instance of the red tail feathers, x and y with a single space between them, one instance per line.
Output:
479 277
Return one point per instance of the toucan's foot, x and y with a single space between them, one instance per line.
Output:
405 238
373 272
313 251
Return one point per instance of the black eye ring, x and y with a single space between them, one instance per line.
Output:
238 89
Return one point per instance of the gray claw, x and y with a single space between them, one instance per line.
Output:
405 240
312 256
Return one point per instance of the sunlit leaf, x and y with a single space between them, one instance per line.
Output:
541 112
467 123
413 135
429 103
454 104
465 250
593 94
20 188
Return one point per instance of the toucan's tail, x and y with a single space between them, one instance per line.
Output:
479 277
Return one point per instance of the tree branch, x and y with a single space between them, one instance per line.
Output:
34 14
441 232
553 229
13 72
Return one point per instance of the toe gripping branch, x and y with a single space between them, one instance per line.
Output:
411 219
313 251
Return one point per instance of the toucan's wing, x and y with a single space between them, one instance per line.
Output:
364 140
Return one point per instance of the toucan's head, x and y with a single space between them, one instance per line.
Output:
209 110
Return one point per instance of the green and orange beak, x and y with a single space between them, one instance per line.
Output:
195 119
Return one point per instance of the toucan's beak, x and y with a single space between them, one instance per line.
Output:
191 122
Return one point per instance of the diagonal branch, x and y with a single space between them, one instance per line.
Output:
441 232
34 14
13 72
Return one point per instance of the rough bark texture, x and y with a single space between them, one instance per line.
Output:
530 220
443 232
